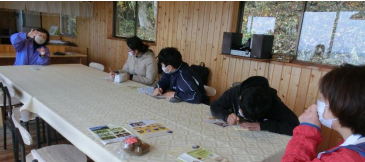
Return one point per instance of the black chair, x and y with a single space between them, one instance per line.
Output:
8 102
3 106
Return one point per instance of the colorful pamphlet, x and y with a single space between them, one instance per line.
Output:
149 128
195 153
109 133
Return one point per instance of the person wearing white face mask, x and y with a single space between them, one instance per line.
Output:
31 48
340 108
141 64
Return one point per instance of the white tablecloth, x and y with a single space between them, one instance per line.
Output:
73 98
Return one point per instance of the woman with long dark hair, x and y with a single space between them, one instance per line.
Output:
141 64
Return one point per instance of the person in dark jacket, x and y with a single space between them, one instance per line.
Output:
183 84
256 104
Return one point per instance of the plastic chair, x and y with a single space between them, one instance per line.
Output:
96 66
236 84
54 153
210 91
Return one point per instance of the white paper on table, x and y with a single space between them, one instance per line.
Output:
149 91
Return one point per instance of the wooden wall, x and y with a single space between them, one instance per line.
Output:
48 21
196 29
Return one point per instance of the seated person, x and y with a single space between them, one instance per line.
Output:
141 64
340 108
257 104
31 48
183 83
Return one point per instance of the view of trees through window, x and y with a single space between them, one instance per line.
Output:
280 19
135 18
331 32
68 24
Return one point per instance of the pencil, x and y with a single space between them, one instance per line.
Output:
233 109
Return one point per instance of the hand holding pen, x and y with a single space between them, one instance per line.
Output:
158 91
233 118
111 74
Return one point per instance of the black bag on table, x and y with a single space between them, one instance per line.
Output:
201 71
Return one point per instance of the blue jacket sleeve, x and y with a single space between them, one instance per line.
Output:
18 41
164 82
188 90
43 60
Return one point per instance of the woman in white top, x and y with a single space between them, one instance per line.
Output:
141 64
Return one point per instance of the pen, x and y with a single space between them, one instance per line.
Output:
234 111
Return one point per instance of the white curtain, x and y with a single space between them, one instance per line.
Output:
72 8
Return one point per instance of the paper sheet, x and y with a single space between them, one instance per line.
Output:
149 91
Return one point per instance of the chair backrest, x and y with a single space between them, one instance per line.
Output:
3 94
96 66
236 84
7 98
25 136
210 91
22 136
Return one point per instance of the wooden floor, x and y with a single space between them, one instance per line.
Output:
8 155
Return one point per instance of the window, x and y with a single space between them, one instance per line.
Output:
280 19
319 32
68 25
333 33
135 19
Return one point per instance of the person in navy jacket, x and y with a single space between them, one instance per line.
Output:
178 81
31 48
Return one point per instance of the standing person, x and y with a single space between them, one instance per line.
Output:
31 48
255 102
340 108
178 81
141 64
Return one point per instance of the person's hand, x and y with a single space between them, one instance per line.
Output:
251 126
112 74
169 94
157 92
310 115
42 51
32 33
233 119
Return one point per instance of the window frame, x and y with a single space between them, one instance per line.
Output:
61 28
135 23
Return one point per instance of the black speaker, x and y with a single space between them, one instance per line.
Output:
261 46
230 40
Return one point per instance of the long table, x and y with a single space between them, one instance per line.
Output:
73 97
